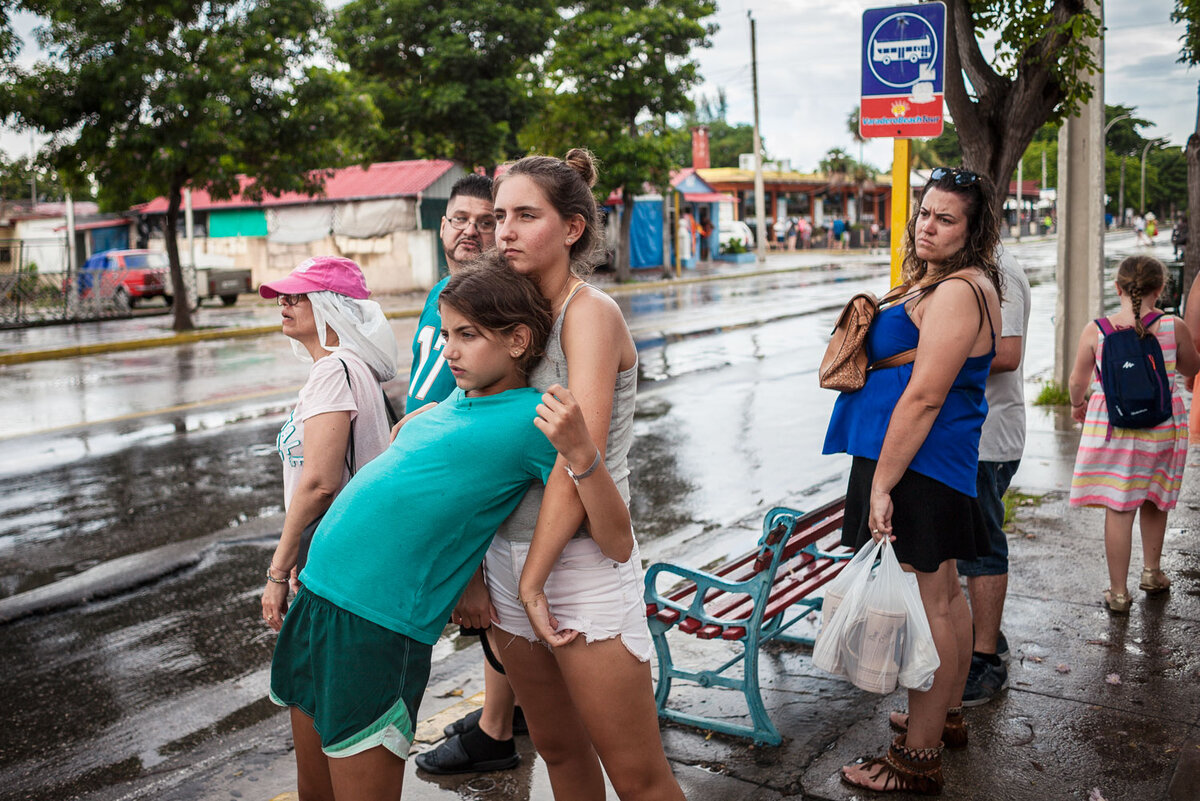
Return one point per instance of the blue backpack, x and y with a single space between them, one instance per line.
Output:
1134 376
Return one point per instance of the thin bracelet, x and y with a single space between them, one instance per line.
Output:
577 477
1077 405
274 580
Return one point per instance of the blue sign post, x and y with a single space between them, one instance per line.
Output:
903 64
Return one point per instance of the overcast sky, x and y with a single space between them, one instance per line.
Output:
808 71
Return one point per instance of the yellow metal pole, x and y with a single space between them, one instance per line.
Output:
901 164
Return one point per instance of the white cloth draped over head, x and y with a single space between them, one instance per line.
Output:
361 328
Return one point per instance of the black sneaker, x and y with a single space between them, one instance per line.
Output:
1002 647
984 682
471 721
454 756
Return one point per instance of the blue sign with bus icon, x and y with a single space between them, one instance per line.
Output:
903 47
903 58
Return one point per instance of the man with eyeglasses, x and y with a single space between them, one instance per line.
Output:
468 229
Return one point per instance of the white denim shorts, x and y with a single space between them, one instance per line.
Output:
588 592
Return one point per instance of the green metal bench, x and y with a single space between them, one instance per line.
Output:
752 599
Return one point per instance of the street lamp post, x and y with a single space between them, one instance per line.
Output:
1121 194
1146 149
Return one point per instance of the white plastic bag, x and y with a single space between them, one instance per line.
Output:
827 650
877 636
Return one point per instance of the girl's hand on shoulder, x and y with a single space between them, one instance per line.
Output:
561 419
396 428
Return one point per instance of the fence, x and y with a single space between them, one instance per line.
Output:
29 295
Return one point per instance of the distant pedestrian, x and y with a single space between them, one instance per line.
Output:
1151 227
1179 236
1139 230
804 231
1132 471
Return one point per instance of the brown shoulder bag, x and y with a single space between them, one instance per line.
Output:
845 365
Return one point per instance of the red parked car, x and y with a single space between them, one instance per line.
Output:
127 276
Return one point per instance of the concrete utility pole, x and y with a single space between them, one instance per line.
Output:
1020 194
760 204
1080 216
1142 205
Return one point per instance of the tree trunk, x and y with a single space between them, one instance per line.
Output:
998 119
624 272
1191 251
183 312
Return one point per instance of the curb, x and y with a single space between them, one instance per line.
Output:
73 351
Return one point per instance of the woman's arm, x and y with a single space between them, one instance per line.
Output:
950 328
326 440
1081 373
594 337
1187 360
560 418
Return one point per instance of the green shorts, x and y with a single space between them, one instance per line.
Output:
359 682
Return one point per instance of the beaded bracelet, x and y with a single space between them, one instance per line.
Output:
274 580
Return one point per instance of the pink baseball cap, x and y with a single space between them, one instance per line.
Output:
320 273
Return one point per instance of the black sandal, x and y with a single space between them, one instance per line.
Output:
903 769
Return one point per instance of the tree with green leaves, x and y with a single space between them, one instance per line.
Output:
451 79
616 71
1039 73
19 176
149 99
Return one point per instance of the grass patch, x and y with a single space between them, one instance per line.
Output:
1053 394
1013 499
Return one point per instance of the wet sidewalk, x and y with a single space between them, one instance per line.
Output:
1099 707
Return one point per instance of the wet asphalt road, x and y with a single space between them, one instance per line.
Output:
137 451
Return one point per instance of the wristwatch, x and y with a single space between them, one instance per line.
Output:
577 477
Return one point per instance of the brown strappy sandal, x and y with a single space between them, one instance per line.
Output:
903 769
954 734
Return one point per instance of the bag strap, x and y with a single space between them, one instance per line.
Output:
351 462
392 417
895 360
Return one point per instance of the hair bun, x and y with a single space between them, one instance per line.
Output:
583 162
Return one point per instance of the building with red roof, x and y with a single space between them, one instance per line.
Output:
384 216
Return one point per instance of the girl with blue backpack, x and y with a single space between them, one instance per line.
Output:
1135 435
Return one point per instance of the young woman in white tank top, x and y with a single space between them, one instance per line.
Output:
589 697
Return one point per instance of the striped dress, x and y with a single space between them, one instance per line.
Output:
1136 464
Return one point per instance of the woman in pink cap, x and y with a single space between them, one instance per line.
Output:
340 421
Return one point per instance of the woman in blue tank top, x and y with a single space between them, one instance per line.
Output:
913 431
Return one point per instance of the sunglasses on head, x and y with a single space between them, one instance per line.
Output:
290 300
960 177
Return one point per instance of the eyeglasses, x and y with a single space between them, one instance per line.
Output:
961 177
291 300
484 225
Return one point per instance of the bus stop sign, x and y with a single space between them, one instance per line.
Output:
903 64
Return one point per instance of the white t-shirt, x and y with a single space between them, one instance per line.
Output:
327 391
1003 437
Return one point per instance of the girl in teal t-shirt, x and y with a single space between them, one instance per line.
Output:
397 547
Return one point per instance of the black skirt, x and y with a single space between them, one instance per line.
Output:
931 521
